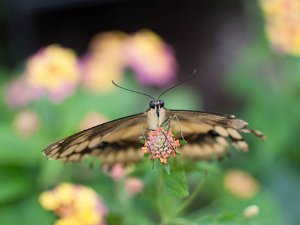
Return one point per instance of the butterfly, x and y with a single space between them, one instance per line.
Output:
207 135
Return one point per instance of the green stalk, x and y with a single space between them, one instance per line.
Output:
192 196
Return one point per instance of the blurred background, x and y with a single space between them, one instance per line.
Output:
57 60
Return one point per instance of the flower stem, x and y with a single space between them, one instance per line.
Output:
192 196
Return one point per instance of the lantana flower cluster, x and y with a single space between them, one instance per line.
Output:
282 25
57 72
160 144
74 205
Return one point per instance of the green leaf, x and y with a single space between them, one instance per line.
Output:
182 142
21 212
15 183
16 150
204 167
176 183
146 155
227 216
174 132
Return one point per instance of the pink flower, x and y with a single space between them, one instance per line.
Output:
117 172
150 58
144 52
160 144
20 93
26 123
133 185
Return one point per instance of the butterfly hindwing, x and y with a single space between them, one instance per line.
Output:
114 141
207 134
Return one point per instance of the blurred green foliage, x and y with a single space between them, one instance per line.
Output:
269 86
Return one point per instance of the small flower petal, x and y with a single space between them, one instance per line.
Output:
133 185
26 123
117 172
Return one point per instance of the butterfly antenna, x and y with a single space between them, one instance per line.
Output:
190 77
132 90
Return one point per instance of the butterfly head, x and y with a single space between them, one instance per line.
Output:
157 104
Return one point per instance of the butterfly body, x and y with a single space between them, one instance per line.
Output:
208 136
156 115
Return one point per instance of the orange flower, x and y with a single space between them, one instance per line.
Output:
241 184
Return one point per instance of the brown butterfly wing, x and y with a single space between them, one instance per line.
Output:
113 142
208 135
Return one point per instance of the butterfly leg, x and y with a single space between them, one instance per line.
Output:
168 122
145 128
144 136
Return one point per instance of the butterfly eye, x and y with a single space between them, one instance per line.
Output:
152 104
161 103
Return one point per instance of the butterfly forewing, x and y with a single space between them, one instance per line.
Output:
114 141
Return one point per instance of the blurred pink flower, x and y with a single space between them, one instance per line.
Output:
27 123
151 59
74 204
55 70
282 25
133 185
104 62
20 93
92 119
117 172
